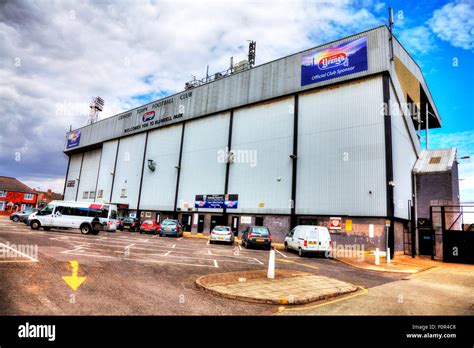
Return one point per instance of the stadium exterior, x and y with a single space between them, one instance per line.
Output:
322 136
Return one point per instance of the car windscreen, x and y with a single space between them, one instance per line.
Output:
148 222
261 231
168 223
221 228
127 220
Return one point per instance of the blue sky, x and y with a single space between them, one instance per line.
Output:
144 49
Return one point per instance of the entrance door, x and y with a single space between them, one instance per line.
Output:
259 221
200 224
216 220
425 241
186 222
235 225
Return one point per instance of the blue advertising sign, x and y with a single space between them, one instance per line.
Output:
335 61
216 201
73 139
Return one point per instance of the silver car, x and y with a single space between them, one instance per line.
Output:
222 234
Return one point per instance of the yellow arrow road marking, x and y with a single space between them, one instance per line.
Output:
74 281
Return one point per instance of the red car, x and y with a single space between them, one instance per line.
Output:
150 226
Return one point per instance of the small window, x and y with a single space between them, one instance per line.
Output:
2 206
148 214
100 193
123 194
85 195
3 193
435 160
28 196
92 194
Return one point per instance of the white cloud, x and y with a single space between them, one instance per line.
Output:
40 184
417 40
454 22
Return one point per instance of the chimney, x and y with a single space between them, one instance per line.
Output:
49 191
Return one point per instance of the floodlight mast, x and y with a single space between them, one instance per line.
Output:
96 105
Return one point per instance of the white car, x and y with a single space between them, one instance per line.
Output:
309 239
222 234
89 218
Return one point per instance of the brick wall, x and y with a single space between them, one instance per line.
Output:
435 186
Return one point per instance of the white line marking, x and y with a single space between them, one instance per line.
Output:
129 246
146 240
279 252
240 247
173 246
208 242
215 264
209 252
180 238
19 252
260 262
167 253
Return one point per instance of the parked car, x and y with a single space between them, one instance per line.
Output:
171 227
221 234
309 239
130 224
150 226
22 215
257 236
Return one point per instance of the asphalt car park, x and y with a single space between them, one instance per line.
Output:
132 273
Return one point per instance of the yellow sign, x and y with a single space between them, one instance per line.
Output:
261 205
348 225
74 281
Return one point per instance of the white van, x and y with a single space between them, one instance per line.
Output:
90 218
305 239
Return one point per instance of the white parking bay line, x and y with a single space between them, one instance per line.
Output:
20 253
215 264
209 252
167 253
179 238
279 252
173 246
129 246
260 262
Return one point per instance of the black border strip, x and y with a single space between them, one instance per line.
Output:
227 167
294 177
141 176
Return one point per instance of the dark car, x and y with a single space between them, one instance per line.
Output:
119 224
22 215
171 227
130 224
257 236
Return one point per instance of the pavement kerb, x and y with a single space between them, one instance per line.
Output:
381 269
283 300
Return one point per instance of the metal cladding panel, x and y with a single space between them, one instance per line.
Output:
404 159
159 186
129 170
341 151
267 81
201 170
88 179
73 175
262 141
107 162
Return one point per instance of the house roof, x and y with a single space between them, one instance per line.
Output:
435 161
51 195
14 185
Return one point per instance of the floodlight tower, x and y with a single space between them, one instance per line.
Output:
96 105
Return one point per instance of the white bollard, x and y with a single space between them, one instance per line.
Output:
388 255
271 265
377 256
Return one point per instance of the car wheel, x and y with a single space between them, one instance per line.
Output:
286 247
85 229
300 252
35 225
16 219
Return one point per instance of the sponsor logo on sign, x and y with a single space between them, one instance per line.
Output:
148 116
333 61
73 139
